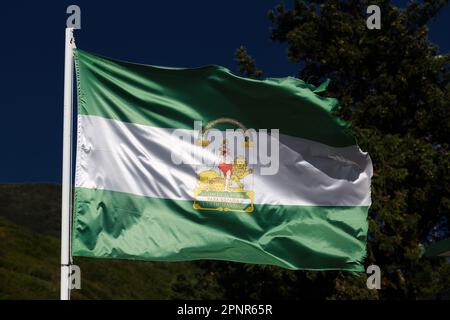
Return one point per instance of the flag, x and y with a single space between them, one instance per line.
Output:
176 164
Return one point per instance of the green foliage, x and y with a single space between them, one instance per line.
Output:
28 263
246 63
394 88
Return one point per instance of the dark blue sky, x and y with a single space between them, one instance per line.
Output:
168 33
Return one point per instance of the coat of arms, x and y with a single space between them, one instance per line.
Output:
227 185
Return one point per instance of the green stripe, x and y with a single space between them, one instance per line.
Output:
111 224
174 98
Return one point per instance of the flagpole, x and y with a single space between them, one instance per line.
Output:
67 167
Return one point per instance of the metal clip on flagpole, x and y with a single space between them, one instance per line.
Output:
66 204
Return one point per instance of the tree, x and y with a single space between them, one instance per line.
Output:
393 86
246 63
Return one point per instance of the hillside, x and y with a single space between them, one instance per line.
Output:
29 257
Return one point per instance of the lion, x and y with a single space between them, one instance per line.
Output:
240 171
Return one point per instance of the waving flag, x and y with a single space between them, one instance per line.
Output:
155 180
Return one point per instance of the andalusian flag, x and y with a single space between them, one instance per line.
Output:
297 197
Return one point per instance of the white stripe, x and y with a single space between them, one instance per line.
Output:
136 159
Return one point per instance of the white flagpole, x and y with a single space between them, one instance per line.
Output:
67 167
